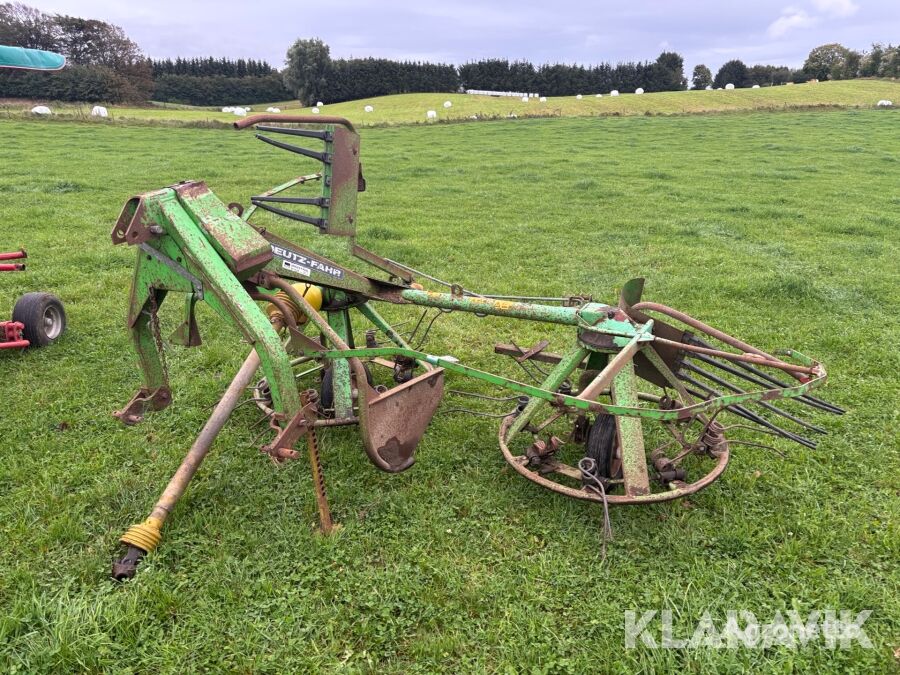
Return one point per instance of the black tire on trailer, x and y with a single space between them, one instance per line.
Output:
43 317
601 447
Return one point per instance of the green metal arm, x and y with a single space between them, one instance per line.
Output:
181 257
669 415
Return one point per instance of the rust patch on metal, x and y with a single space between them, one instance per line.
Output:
142 402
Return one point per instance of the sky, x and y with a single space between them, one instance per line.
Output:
778 32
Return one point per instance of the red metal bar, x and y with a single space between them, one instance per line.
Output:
14 255
11 267
14 344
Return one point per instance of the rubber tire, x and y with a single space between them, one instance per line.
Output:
326 391
601 445
30 309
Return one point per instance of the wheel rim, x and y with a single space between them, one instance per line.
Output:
53 322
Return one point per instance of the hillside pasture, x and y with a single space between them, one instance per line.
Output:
411 108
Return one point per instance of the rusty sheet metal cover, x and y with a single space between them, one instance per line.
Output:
242 248
672 356
394 422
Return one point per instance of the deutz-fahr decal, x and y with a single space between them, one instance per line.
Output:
304 264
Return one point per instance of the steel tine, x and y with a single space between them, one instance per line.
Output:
318 222
308 133
752 416
767 406
813 401
306 152
312 201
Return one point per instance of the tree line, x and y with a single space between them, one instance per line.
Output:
826 62
211 81
312 75
211 67
664 74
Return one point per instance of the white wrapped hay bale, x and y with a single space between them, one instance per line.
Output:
240 112
614 92
41 110
543 99
431 115
709 87
315 110
273 109
639 90
368 108
228 109
99 111
448 104
319 104
579 97
524 99
729 86
884 103
599 96
755 86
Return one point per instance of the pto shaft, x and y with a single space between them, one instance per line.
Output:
144 537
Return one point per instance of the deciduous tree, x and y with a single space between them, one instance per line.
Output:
308 67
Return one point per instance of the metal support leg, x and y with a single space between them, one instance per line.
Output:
630 434
556 377
340 368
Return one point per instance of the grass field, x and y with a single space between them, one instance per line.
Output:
782 228
411 108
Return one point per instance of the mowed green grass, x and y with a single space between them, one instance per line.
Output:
412 108
781 228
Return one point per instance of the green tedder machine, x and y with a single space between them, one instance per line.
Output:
628 414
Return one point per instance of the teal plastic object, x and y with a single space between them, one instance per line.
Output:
30 59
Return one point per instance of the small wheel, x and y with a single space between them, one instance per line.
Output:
43 316
601 447
326 392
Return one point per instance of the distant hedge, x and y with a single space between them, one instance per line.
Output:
219 90
73 83
352 79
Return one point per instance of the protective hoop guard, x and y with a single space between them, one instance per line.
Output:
517 463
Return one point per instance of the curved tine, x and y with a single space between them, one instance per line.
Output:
766 406
806 399
749 414
810 400
766 427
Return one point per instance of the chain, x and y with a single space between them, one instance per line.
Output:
157 333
